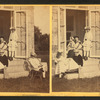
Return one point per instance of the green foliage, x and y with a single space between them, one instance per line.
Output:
41 40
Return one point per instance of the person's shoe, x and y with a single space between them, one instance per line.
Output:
60 75
85 58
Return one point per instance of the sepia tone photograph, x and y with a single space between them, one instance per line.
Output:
24 49
76 48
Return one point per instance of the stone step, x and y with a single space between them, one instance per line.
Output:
89 68
16 62
71 76
89 74
1 76
90 62
17 74
15 69
82 75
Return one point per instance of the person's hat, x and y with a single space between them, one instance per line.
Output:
12 28
33 55
87 28
60 51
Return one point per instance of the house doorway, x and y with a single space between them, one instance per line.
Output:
15 19
5 23
75 23
71 23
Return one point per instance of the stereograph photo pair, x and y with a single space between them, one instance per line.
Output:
31 35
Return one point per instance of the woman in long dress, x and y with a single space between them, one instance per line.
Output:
78 51
64 64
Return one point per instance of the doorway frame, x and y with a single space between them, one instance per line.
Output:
14 11
26 13
65 21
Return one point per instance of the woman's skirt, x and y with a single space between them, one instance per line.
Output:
78 59
4 60
67 65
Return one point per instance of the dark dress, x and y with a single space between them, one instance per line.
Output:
70 54
4 58
78 59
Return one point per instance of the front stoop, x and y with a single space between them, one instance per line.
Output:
15 69
91 68
71 76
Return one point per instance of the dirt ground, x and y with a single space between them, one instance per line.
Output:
76 85
24 84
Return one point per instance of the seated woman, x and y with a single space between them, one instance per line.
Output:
78 51
70 48
64 65
35 64
3 52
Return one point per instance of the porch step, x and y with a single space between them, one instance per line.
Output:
91 61
1 76
16 74
90 68
16 68
16 62
89 74
71 76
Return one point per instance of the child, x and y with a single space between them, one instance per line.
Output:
12 47
86 47
61 66
13 39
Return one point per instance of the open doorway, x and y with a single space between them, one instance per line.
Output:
5 21
75 23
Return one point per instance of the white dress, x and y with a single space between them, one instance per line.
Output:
12 45
13 36
87 45
88 36
65 64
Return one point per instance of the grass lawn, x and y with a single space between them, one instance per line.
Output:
24 84
76 85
